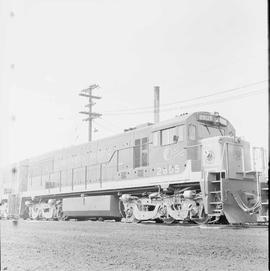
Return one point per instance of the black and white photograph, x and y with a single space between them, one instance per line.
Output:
134 135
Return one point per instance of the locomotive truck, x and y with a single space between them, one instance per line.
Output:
192 168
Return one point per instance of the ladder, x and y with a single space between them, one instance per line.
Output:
215 199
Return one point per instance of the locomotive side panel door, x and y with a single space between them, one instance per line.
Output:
235 160
141 157
193 148
141 153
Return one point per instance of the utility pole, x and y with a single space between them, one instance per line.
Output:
91 115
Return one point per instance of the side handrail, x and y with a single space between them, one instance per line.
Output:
192 146
101 163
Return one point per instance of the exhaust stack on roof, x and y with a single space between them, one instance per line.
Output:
156 104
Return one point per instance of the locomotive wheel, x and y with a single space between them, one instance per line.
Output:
129 216
159 220
203 217
25 213
202 221
59 214
48 213
135 220
168 220
122 209
35 212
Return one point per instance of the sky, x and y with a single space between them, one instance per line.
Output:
51 50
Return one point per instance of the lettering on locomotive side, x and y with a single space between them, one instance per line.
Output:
168 169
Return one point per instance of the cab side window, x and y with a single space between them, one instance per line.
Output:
192 132
168 136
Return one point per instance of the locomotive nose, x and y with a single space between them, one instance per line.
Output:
211 154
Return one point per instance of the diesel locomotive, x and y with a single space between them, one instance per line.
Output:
191 168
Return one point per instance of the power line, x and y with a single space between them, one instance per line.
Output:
242 95
189 100
222 100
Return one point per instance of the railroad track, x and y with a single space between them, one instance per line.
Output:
201 226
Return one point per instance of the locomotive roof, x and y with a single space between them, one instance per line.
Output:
180 118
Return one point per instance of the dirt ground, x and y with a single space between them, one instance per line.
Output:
89 245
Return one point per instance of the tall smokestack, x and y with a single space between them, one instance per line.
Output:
156 104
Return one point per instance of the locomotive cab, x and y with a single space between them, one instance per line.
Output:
204 125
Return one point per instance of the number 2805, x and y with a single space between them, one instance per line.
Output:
169 169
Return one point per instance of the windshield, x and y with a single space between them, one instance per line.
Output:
206 131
